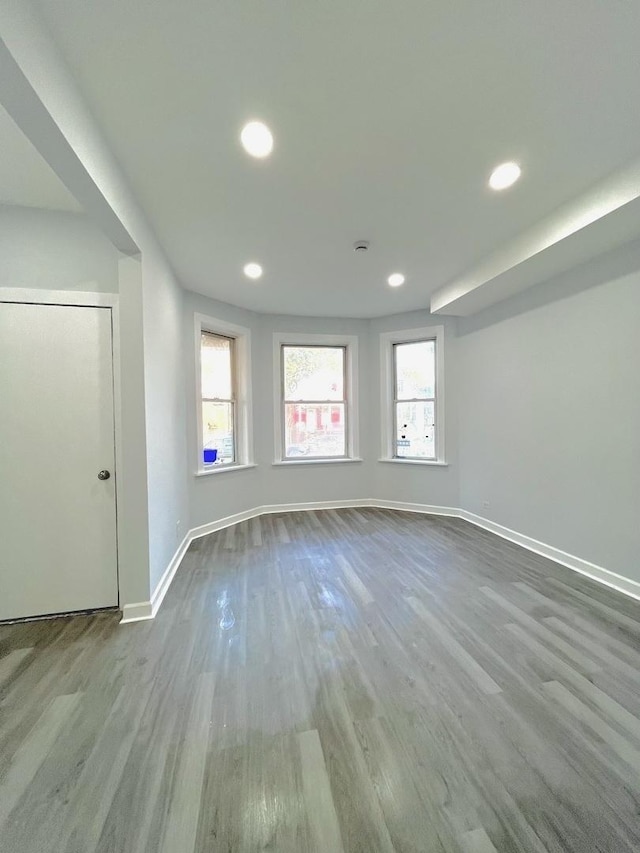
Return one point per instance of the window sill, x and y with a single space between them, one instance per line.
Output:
433 462
287 462
224 468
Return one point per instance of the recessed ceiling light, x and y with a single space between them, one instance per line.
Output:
253 270
257 139
504 176
396 279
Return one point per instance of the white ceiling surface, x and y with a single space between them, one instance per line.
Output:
387 117
25 178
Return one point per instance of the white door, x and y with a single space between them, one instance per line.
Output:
57 519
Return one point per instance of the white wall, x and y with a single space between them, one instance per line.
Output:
55 250
304 483
549 413
165 412
218 495
424 484
131 460
542 416
544 393
45 100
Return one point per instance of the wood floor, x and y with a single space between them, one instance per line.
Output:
353 680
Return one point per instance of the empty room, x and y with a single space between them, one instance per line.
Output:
319 426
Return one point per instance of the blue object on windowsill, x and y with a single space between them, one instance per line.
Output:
210 455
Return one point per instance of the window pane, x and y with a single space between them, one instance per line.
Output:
314 430
313 373
415 430
215 360
415 370
217 433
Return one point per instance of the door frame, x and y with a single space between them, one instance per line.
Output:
86 299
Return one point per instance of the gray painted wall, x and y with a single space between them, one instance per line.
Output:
53 250
437 486
542 401
131 462
219 495
542 416
165 412
303 483
49 107
521 379
549 413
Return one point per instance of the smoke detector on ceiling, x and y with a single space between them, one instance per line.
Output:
361 246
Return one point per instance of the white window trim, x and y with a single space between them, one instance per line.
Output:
335 460
222 469
350 343
387 341
244 420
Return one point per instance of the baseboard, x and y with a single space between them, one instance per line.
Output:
577 564
165 581
308 506
270 509
137 612
221 523
143 610
424 509
147 609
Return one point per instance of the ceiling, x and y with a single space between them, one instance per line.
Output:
25 178
387 118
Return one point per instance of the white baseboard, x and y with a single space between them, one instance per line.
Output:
147 609
584 567
143 610
137 612
425 509
165 581
306 507
221 523
269 509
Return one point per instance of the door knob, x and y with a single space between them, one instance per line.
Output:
103 475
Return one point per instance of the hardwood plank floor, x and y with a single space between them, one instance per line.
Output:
345 680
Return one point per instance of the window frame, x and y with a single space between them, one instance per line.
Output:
350 395
240 338
388 379
232 400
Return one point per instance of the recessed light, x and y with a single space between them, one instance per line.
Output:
396 279
504 176
257 139
252 270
